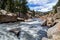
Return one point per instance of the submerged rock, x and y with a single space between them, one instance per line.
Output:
16 31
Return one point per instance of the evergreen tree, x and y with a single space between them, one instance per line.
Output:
33 13
10 5
0 3
23 6
55 7
3 4
17 6
14 5
58 4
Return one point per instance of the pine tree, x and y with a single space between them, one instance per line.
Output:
14 5
23 6
58 4
33 13
3 4
17 6
0 3
9 5
55 7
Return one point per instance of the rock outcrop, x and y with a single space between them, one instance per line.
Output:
3 12
56 36
46 38
44 18
51 31
7 16
51 19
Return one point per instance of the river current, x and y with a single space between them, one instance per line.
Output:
29 30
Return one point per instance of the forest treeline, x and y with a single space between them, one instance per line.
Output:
18 5
14 5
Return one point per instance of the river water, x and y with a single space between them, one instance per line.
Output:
29 30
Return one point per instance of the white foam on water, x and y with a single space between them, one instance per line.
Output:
31 28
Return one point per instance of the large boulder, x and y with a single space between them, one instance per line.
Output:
57 20
56 36
5 18
44 18
50 21
44 38
3 12
8 17
53 30
57 16
20 19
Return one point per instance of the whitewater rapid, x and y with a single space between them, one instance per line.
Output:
29 30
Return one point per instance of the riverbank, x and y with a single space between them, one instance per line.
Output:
6 17
53 22
50 19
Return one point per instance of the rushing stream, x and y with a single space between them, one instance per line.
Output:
30 30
